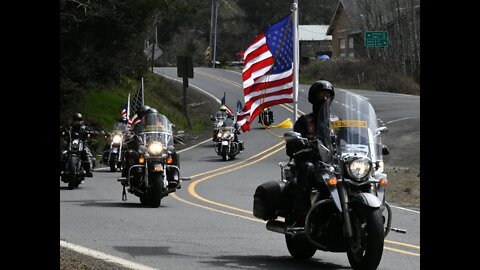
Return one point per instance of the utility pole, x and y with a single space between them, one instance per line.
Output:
215 37
211 35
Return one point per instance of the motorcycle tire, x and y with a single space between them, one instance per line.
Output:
155 190
72 173
232 157
224 152
144 200
299 247
365 249
113 168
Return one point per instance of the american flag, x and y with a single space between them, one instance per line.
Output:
124 111
137 103
268 71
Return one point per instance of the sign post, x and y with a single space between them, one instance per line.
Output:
185 70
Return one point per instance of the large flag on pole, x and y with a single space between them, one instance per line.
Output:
268 71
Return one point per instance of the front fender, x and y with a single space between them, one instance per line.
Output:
366 199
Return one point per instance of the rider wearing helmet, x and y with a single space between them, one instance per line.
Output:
77 125
320 95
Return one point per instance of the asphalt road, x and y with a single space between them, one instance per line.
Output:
208 223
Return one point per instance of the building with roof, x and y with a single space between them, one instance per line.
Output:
314 42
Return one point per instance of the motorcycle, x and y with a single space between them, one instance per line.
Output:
156 171
266 117
347 182
72 170
113 156
217 123
226 144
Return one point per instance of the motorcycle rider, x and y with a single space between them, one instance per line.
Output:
77 125
122 120
133 141
269 112
320 95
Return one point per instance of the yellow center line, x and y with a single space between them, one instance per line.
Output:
238 163
191 187
219 78
216 210
402 244
402 251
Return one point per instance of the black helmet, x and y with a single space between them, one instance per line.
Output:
77 117
152 110
318 86
122 119
142 110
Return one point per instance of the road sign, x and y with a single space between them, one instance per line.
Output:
376 39
148 52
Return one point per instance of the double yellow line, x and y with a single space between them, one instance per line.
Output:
248 162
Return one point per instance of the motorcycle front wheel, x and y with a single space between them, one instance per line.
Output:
155 190
365 249
71 165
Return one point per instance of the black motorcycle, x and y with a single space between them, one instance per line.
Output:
227 145
112 156
266 117
156 171
72 170
347 188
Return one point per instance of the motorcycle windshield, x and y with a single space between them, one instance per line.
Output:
158 128
119 128
228 125
354 122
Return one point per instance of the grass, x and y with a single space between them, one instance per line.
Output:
102 106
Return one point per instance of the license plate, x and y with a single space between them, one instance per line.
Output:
224 142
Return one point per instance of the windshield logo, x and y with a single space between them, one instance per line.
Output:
349 123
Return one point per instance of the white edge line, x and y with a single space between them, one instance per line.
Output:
396 120
194 86
105 257
406 209
194 146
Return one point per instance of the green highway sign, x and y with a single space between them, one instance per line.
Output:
376 39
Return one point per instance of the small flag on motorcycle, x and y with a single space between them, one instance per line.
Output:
239 106
222 101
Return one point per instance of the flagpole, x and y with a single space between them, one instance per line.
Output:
128 108
296 55
143 95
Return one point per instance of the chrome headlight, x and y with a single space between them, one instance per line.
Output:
117 139
219 134
155 148
358 168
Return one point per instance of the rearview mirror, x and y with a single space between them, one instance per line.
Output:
292 136
212 118
381 130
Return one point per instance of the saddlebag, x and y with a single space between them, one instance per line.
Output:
270 197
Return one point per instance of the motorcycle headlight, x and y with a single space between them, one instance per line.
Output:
117 139
219 134
358 168
155 148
